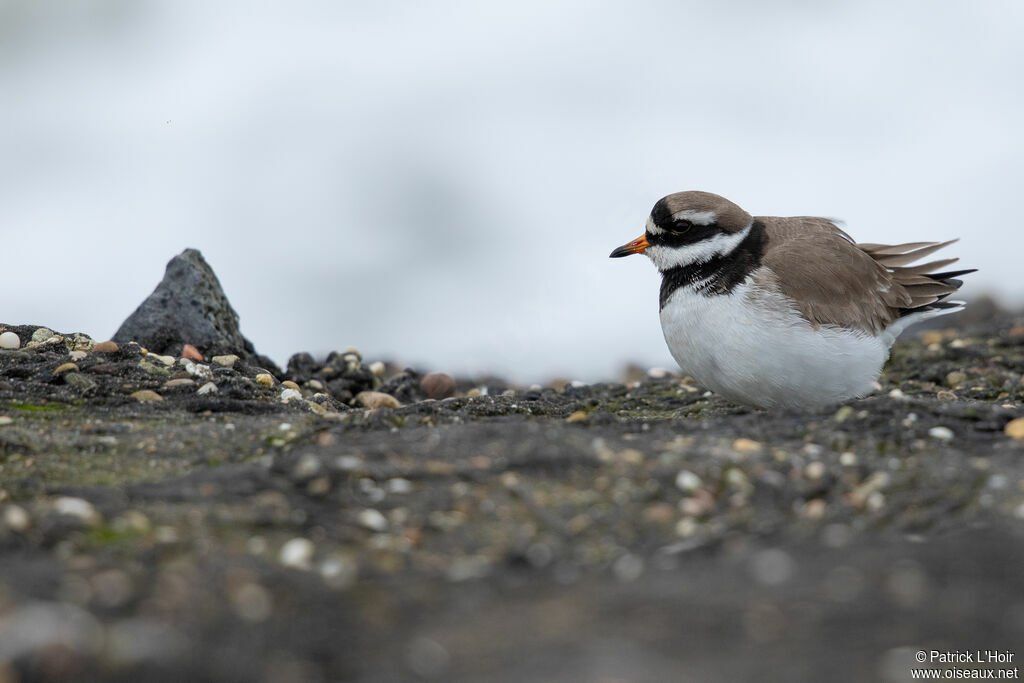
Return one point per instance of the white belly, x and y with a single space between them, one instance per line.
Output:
755 349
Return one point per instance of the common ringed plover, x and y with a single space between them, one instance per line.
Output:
784 312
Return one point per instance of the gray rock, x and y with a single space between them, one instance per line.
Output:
188 307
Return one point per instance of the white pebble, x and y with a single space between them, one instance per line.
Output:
15 518
6 420
9 340
377 368
290 394
373 520
815 470
941 433
657 373
77 507
339 571
399 486
848 459
687 481
208 388
897 394
199 370
297 553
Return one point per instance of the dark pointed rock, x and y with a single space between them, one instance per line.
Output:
189 307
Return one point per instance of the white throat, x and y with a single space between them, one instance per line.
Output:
666 258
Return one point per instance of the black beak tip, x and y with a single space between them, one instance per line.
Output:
619 252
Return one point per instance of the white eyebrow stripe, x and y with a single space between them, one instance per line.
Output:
697 217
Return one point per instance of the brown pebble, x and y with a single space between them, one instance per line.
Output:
180 382
438 385
377 399
1015 428
145 395
578 416
189 351
945 396
744 445
105 347
65 367
265 379
288 384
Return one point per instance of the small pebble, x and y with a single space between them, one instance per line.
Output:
78 508
15 518
297 553
578 416
227 361
1015 428
42 334
897 394
437 385
377 368
265 379
77 355
687 481
373 520
945 395
288 384
145 395
198 370
65 367
843 414
78 380
848 459
377 399
189 351
180 382
628 567
744 445
166 360
105 347
289 395
657 373
9 340
399 486
815 470
941 433
208 388
6 420
955 378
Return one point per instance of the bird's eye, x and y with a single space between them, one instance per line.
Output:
679 227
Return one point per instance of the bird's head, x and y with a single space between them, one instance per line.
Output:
687 228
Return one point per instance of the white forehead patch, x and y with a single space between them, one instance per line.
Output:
666 258
697 217
652 228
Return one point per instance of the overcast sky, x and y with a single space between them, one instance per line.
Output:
441 182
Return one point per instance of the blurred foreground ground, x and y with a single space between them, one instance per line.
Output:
642 532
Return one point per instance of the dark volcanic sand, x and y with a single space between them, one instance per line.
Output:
640 533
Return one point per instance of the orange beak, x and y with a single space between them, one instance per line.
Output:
637 246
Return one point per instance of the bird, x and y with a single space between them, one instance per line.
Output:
784 312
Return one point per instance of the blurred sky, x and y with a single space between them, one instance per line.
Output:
442 182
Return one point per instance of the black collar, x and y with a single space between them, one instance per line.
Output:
721 273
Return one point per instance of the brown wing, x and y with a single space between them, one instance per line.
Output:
835 281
